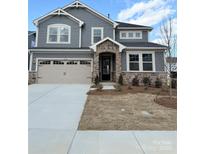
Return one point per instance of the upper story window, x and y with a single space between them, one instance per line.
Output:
130 34
58 33
97 34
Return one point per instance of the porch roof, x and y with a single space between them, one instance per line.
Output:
121 46
145 45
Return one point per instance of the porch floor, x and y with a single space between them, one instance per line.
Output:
108 85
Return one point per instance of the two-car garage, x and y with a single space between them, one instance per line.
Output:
64 71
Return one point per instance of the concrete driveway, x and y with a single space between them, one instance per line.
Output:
54 114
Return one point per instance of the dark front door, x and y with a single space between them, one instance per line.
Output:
106 60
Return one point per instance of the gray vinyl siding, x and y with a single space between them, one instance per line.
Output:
144 37
123 61
73 54
90 21
31 38
42 31
159 61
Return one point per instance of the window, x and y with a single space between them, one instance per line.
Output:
147 62
58 62
72 62
58 33
97 34
85 62
130 34
47 62
140 61
134 62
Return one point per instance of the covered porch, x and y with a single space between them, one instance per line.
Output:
107 60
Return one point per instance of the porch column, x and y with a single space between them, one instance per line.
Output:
96 65
118 64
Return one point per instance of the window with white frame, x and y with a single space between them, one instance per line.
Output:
130 34
58 33
97 34
140 61
147 62
134 62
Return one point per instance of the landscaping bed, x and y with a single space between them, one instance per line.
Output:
127 109
167 102
134 90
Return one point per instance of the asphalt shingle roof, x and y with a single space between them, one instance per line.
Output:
141 44
123 24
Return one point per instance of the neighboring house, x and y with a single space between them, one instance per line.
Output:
31 43
74 44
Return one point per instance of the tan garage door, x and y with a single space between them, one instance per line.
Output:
64 71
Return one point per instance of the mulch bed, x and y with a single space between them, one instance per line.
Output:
167 102
134 90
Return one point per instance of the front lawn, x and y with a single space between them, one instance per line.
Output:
127 110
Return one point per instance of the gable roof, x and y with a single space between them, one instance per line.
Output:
77 3
121 46
133 26
58 11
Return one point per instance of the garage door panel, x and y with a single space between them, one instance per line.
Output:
69 72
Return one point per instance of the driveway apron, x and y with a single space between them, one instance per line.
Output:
54 114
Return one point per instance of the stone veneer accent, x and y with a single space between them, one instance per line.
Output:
107 47
128 77
32 76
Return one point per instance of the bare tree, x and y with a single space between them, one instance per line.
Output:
168 38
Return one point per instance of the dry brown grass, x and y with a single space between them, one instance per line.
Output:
125 112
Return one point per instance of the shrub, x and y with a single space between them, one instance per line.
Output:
146 82
174 83
96 81
99 87
135 81
120 80
118 87
158 83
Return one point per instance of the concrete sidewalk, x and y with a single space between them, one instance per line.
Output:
124 142
54 114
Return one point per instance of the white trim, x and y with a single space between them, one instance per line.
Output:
58 33
58 12
113 34
57 50
36 36
94 46
92 10
134 28
80 37
31 61
41 58
130 38
92 33
164 48
140 53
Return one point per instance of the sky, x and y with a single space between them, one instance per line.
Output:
143 12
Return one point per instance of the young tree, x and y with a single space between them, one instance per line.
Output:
168 38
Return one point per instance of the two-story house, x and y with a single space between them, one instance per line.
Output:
74 44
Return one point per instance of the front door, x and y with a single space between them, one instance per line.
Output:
106 61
